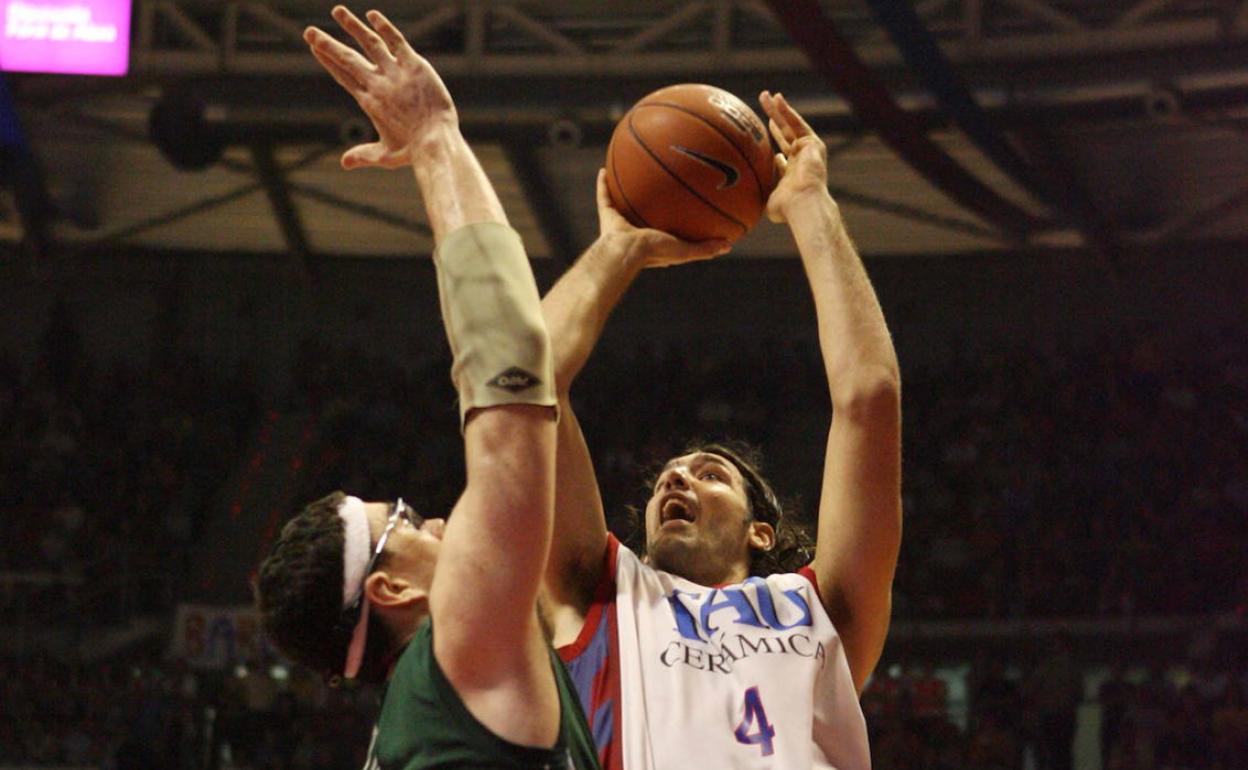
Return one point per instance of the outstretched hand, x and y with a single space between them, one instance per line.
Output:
397 88
801 164
655 248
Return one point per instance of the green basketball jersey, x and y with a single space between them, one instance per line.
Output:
424 724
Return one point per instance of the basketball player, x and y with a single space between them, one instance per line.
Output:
432 607
689 658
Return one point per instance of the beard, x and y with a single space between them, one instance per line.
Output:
689 558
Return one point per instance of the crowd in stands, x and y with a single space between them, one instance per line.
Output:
1110 479
1150 715
161 715
151 714
1104 480
108 471
384 429
1107 479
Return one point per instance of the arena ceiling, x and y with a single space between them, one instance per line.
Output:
1138 108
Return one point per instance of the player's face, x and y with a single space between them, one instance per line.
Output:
411 547
698 520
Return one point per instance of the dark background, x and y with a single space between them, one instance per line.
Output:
191 348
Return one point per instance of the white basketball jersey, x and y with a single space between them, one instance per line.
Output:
750 675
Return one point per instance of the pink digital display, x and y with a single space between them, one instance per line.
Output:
73 37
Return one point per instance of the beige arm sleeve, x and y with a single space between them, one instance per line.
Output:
493 319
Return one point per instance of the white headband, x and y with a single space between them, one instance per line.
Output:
356 542
355 548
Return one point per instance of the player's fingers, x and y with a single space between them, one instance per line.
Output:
359 156
791 116
668 250
788 121
712 248
773 211
369 40
811 145
784 142
389 33
338 62
782 165
371 155
765 101
346 56
779 122
608 217
603 195
776 121
607 208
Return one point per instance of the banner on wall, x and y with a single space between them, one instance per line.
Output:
207 636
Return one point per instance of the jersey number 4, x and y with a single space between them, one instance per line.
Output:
754 729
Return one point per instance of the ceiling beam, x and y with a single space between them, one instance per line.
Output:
319 117
924 10
119 234
289 29
462 40
1183 224
1042 11
681 17
430 23
185 27
538 31
542 200
361 209
1038 50
915 214
944 81
284 209
1141 12
832 57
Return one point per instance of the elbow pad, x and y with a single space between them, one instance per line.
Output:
493 319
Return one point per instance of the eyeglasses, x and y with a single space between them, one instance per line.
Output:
401 511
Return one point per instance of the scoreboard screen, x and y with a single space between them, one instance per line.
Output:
71 37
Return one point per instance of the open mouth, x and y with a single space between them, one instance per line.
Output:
675 508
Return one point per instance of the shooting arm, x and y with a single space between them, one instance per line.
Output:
860 503
859 532
576 310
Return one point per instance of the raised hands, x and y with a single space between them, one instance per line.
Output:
654 247
802 164
396 87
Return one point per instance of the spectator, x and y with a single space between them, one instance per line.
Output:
1230 729
1054 691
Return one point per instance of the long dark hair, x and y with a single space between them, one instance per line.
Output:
795 544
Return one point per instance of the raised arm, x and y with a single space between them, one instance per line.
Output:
860 504
493 553
576 310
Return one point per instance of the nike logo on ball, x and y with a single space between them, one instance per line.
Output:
731 175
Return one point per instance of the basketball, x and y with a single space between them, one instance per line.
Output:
692 160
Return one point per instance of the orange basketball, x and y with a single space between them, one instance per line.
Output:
692 160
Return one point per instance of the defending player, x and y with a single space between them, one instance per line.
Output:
686 659
434 608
